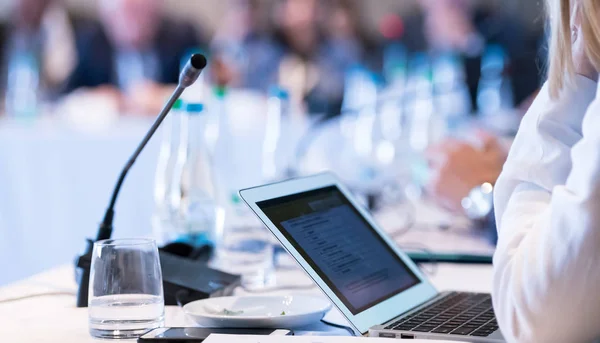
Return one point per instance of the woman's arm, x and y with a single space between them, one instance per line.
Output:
547 263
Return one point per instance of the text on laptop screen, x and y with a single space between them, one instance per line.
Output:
340 245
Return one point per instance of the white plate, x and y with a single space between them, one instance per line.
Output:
283 312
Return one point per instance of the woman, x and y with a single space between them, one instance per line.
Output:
547 264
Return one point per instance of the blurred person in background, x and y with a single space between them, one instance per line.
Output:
243 50
307 49
320 41
461 28
466 29
37 44
134 54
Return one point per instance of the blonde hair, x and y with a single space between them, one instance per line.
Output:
562 16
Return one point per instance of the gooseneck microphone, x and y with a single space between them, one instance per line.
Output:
188 76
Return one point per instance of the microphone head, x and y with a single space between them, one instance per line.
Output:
198 61
191 71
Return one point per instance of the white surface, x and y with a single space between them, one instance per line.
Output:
55 183
291 311
56 319
56 179
303 339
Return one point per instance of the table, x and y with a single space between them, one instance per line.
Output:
55 182
56 177
56 319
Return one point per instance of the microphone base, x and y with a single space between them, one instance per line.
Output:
82 274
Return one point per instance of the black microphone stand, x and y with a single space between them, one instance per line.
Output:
83 262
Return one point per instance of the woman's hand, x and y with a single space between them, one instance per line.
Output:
457 167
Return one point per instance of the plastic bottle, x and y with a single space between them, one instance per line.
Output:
494 93
193 191
278 106
452 99
23 83
162 224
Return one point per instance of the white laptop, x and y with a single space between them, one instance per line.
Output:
368 278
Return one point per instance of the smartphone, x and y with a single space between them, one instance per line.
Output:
195 335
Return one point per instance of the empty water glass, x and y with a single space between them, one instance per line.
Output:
126 293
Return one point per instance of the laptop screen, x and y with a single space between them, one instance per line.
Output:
341 246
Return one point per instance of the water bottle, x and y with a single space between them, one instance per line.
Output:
452 98
196 217
278 106
424 124
494 93
244 247
395 67
216 120
360 89
162 224
22 83
391 112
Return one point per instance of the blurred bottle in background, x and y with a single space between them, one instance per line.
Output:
162 224
395 67
359 111
494 93
244 248
196 217
392 111
424 123
23 81
452 99
425 126
215 123
274 165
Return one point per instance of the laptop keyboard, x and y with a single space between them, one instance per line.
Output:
458 313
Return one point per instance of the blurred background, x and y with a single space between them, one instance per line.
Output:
413 104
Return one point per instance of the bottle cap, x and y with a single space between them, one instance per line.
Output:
178 104
194 108
279 92
220 91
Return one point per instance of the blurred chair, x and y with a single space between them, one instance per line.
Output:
135 49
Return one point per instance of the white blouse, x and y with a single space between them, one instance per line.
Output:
547 202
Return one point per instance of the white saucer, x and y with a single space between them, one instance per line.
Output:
283 312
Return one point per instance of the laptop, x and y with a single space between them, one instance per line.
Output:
379 290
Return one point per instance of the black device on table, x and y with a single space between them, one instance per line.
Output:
195 335
183 281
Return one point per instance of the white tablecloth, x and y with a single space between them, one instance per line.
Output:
55 183
56 319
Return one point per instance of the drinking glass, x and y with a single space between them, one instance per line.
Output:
126 293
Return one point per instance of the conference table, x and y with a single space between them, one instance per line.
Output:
57 173
54 317
56 177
